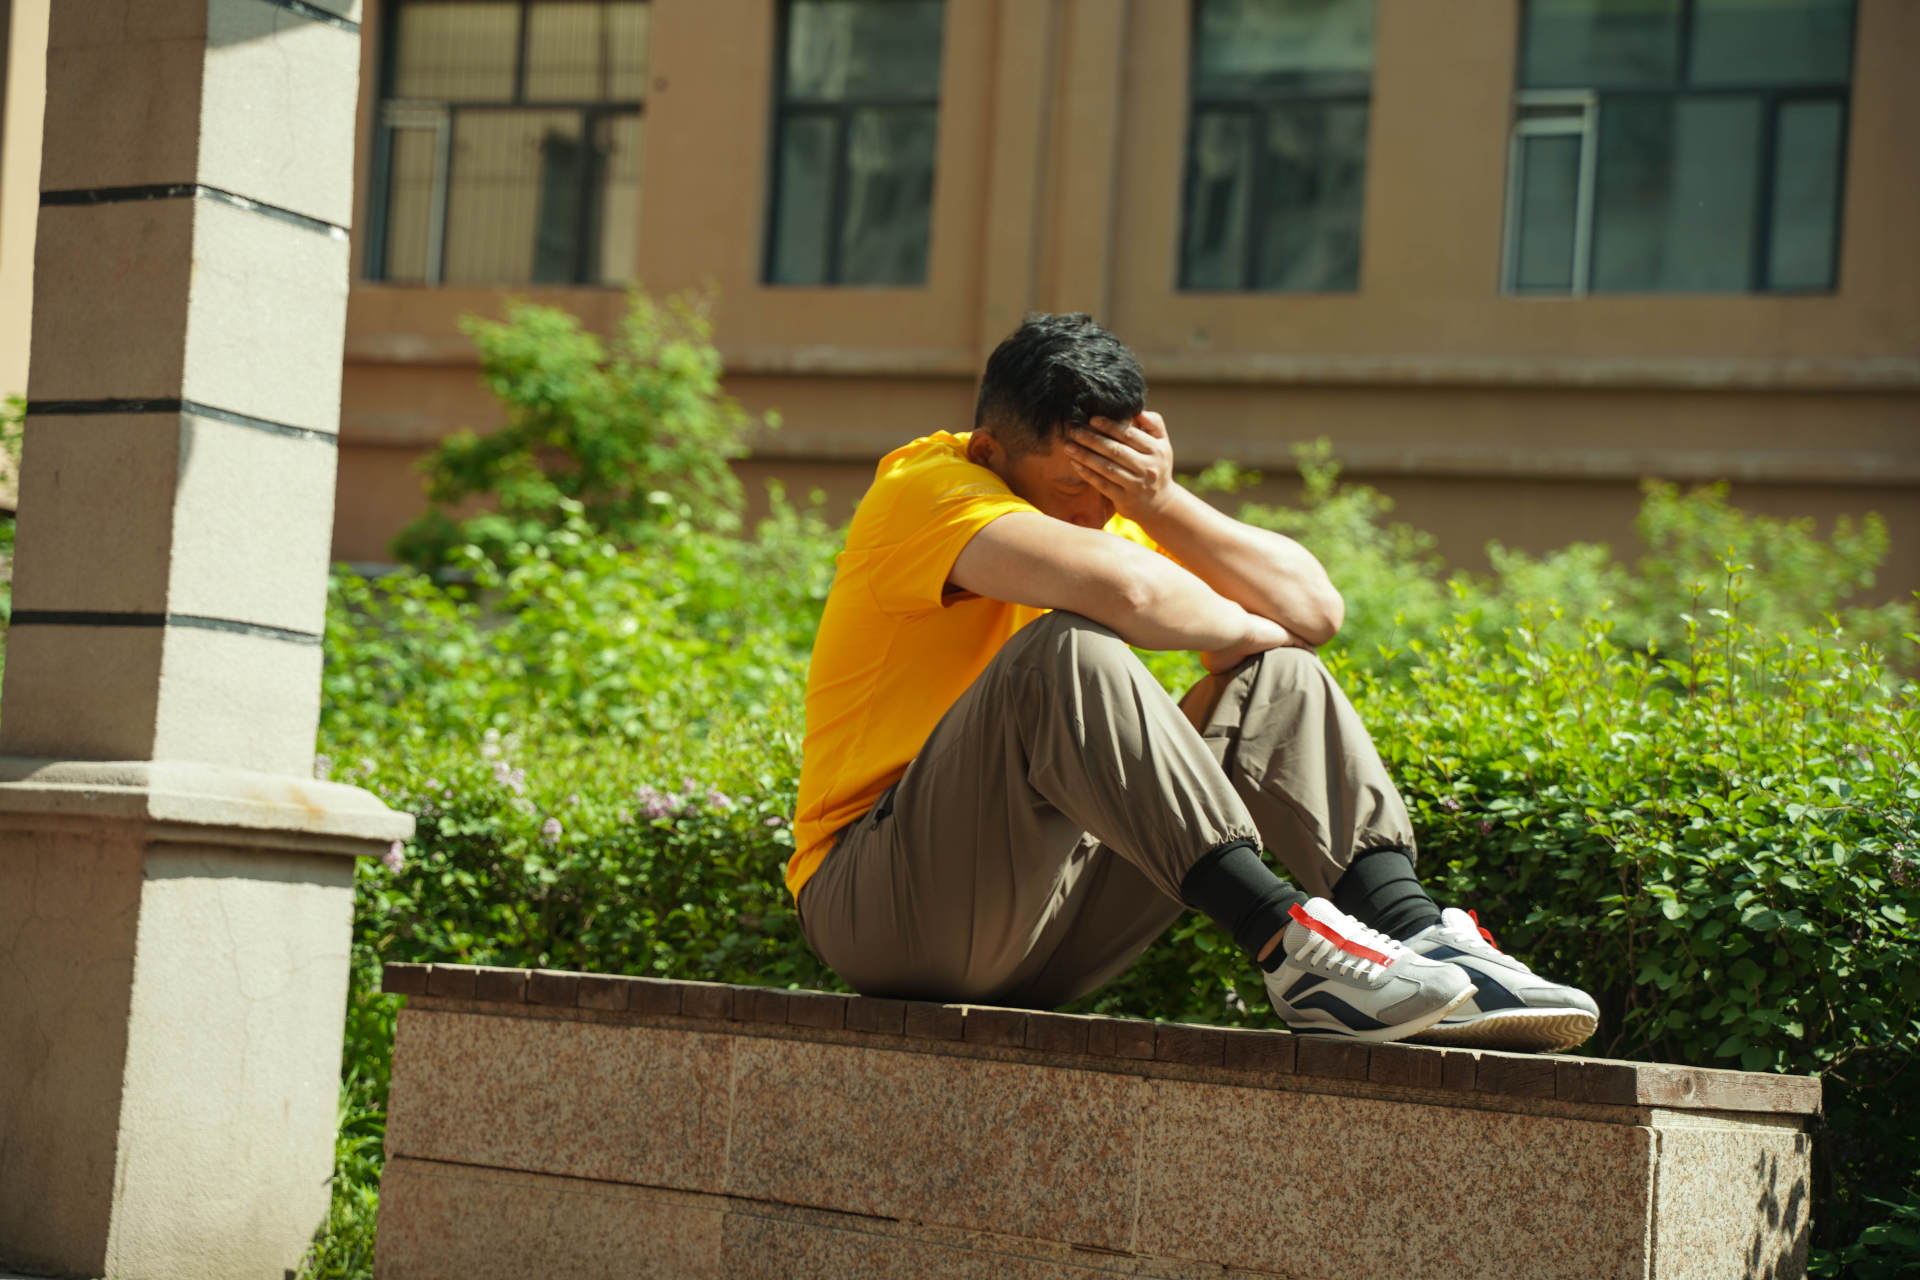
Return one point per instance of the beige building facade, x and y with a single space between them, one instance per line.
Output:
1064 175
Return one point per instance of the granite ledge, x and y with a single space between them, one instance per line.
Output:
1147 1047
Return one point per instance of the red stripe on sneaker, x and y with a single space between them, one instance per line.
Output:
1484 931
1326 931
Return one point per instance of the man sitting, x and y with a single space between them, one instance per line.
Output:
999 805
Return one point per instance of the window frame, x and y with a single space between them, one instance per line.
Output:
1255 106
841 111
1771 99
1583 125
393 114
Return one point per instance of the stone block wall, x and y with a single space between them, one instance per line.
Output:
579 1125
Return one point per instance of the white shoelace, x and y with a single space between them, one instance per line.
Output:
1323 953
1463 931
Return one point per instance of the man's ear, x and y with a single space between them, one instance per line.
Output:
985 451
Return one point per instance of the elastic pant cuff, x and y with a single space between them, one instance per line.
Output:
1233 886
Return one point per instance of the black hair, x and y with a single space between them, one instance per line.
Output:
1053 371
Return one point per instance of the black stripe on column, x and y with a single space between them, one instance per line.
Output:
191 407
104 618
188 191
315 13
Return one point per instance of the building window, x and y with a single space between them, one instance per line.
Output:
1277 149
1684 146
853 142
507 148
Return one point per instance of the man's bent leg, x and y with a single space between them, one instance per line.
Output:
961 883
1303 763
1110 913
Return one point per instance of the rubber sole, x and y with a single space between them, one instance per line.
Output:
1523 1030
1399 1031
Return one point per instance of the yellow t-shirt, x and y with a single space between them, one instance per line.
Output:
895 648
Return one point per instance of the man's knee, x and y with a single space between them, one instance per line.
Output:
1291 665
1288 677
1070 642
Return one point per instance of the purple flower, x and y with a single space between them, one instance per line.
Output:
718 798
657 804
508 776
322 766
573 798
1485 827
1449 804
776 821
550 830
395 857
433 784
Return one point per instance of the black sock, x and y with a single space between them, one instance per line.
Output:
1380 889
1236 888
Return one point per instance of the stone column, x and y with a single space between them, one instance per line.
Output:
175 888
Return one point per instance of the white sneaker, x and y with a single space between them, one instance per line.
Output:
1342 978
1513 1007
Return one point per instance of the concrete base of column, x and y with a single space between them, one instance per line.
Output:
174 939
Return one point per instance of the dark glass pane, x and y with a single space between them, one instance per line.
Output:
1582 44
1806 195
1316 44
586 52
511 218
805 194
557 240
889 209
412 154
1309 199
1772 42
1219 190
842 49
461 52
1546 212
1675 194
620 157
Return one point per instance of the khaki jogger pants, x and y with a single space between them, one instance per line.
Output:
1036 845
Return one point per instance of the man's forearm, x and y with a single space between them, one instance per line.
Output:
1265 573
1166 607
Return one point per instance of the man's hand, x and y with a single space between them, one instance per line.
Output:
1130 463
1262 634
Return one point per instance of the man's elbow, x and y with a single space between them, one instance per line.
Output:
1322 616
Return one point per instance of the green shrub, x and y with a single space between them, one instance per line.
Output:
1887 1250
573 634
1397 587
1717 837
638 433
